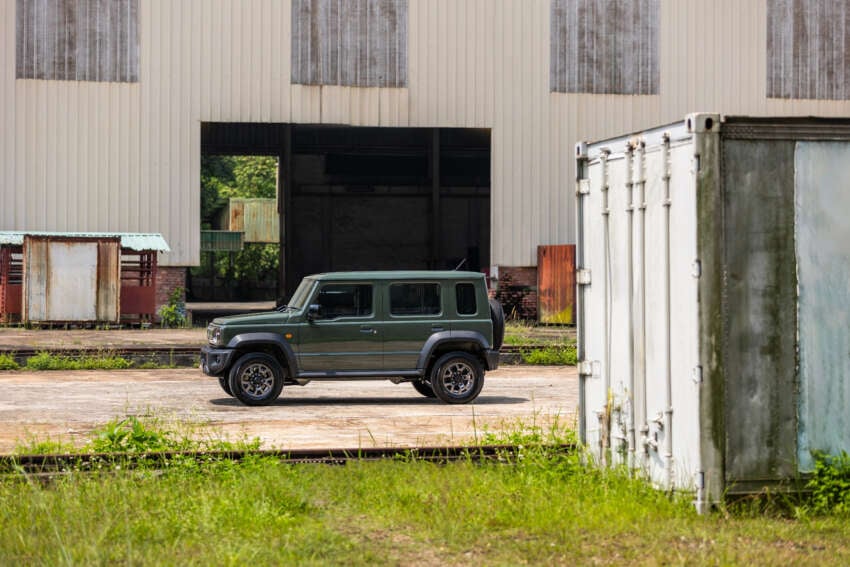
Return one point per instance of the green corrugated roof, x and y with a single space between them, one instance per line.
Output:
131 240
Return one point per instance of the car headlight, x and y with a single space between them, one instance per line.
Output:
214 335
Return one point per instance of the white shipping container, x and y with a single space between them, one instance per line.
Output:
713 305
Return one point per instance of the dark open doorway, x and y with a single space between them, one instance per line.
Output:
366 198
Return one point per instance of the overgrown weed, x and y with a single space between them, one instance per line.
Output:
7 362
44 360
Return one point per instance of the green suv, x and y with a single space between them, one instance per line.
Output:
436 330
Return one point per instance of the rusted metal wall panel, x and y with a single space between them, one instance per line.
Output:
355 43
71 280
257 218
807 49
600 46
78 40
556 283
36 271
108 301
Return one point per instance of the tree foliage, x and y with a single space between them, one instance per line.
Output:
225 177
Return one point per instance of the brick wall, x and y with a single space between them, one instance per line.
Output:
167 280
517 291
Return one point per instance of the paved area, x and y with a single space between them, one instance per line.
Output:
66 406
12 338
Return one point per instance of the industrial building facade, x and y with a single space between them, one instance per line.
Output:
443 130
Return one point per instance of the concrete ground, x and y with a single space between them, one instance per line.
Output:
18 338
67 406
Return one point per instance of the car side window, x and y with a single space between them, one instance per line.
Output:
345 300
415 298
465 295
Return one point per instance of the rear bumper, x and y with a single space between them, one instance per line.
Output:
215 361
492 359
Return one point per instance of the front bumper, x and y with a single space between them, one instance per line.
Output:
215 361
492 358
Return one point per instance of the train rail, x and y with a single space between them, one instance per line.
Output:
57 464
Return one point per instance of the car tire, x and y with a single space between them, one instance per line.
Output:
224 382
256 379
457 378
497 315
424 388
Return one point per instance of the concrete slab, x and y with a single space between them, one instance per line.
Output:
18 338
67 406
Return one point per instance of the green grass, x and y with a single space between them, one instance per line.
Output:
7 362
550 355
102 361
539 508
50 361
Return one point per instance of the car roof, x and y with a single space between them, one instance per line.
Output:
399 275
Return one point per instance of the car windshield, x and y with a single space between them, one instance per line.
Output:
300 296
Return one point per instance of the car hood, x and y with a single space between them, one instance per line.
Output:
264 318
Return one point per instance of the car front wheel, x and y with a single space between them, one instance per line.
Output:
457 378
256 379
224 382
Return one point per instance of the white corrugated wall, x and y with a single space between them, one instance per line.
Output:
126 157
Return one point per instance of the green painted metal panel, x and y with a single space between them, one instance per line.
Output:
760 313
221 241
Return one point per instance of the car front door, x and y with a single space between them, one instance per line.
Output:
342 335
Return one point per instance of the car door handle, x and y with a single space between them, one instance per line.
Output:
437 328
369 330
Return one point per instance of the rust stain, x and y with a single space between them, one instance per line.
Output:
556 284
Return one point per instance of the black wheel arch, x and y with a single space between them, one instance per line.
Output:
269 343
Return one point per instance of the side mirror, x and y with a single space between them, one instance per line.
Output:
313 312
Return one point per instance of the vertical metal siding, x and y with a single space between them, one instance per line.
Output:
807 49
77 40
599 46
108 156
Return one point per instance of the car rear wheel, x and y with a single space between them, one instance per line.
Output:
457 378
256 379
424 388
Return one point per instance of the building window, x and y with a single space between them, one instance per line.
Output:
604 46
77 40
807 49
356 43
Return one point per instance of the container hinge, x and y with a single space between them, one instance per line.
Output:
696 375
696 269
583 276
584 186
585 368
